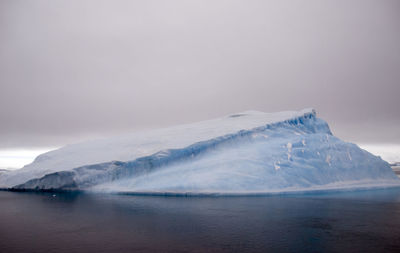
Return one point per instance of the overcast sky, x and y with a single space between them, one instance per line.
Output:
72 70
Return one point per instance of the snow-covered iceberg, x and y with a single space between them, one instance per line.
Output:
245 153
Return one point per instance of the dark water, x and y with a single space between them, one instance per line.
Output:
366 221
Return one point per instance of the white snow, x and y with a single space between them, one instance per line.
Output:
246 153
143 143
328 159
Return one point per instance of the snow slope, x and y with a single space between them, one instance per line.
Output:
139 144
250 152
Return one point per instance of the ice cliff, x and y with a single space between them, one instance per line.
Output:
245 153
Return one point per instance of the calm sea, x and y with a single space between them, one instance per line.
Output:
363 221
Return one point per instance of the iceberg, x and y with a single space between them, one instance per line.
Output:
245 153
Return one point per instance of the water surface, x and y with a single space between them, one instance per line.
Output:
363 221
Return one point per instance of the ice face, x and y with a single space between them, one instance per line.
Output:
256 164
243 156
139 144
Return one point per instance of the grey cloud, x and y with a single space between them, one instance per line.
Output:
78 69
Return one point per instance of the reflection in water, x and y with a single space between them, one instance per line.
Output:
365 221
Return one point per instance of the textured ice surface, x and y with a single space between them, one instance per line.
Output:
139 144
250 152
